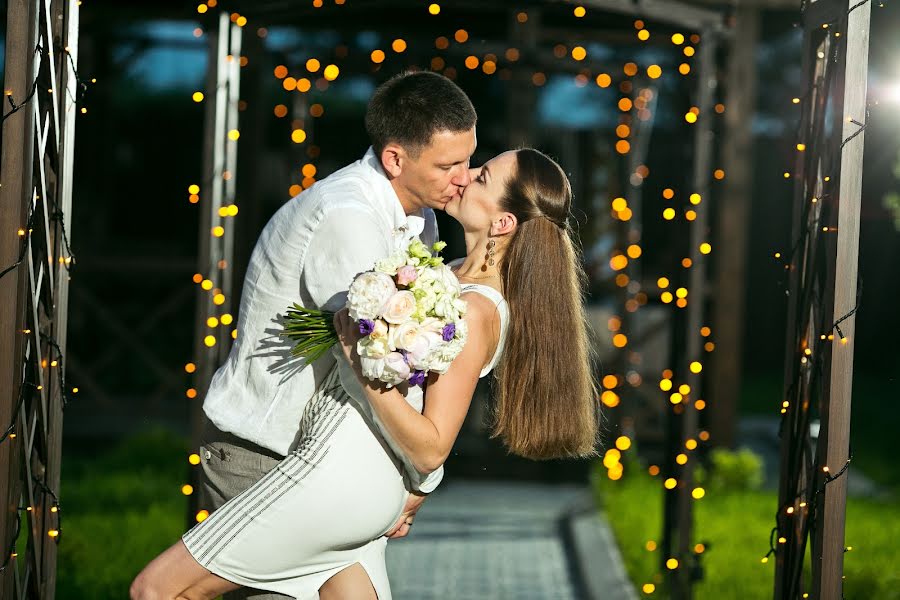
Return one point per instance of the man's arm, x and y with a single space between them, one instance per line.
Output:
346 242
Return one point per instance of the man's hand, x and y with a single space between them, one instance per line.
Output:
402 527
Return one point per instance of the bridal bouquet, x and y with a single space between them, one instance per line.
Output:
409 313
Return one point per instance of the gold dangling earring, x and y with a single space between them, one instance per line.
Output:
490 256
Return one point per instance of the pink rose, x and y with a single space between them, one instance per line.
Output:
406 275
399 307
395 364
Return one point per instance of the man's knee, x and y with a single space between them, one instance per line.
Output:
144 588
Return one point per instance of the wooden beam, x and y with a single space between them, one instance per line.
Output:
16 162
828 565
731 229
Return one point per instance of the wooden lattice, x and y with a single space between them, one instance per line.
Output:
42 88
821 282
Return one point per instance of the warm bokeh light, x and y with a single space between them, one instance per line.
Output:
377 56
604 80
618 262
331 72
609 398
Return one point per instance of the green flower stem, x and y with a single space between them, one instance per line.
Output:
311 329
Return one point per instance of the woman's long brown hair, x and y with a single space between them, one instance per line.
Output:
546 396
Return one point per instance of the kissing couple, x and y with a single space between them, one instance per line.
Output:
311 470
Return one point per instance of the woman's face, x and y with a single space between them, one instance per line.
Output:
478 206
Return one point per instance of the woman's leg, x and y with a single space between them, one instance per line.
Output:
176 574
352 583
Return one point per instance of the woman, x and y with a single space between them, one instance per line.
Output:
315 522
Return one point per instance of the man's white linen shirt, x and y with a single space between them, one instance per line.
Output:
309 253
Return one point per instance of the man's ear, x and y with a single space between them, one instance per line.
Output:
393 158
504 225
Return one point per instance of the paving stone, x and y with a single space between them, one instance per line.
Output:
489 541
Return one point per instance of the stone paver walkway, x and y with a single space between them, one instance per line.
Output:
492 541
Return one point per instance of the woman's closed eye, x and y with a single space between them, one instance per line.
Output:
480 178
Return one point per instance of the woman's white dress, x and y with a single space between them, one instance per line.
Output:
326 506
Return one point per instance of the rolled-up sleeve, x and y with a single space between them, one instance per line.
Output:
346 242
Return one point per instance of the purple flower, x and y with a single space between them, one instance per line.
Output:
366 326
417 378
448 332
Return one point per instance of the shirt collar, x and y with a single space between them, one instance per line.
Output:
408 226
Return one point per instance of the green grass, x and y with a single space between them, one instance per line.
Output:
874 415
122 506
736 528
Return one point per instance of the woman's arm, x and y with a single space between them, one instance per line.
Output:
427 438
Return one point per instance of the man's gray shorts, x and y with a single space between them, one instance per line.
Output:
230 466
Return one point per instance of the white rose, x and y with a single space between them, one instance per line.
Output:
368 293
402 336
380 330
399 307
369 347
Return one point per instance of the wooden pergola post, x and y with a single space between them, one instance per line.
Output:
217 191
828 544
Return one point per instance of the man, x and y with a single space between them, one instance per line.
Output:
422 130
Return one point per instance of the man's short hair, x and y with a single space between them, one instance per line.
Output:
409 108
